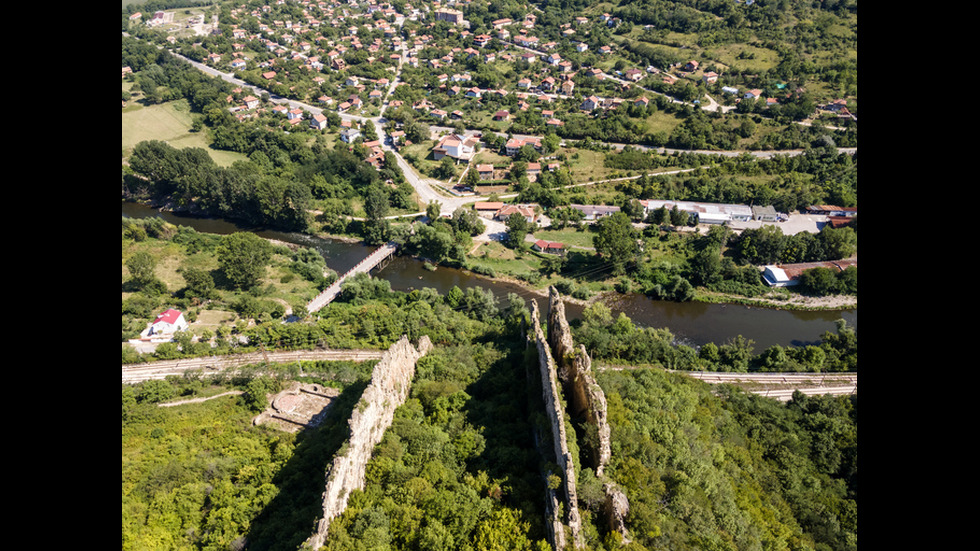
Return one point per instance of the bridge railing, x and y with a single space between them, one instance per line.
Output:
373 259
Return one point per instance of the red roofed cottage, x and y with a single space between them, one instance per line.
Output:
168 322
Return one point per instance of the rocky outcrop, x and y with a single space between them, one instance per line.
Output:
586 398
587 401
388 389
563 458
616 509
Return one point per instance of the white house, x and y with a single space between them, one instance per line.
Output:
455 146
708 213
349 135
167 323
595 212
776 277
318 122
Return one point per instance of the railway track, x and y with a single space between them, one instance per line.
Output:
135 373
716 377
783 395
779 386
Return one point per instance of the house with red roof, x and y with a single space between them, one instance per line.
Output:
318 122
527 211
549 247
167 323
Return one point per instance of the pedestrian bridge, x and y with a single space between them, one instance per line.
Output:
381 254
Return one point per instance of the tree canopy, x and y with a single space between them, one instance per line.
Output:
243 257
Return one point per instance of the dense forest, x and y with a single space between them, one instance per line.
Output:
703 468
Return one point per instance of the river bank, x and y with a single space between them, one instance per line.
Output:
786 300
794 302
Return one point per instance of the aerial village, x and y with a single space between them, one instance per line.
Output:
463 102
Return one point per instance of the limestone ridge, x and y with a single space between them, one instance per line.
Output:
586 398
588 401
390 383
552 402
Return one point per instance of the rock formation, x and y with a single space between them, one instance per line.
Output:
556 416
586 400
388 389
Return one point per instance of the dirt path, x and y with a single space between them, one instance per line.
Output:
195 400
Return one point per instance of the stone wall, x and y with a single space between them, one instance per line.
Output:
388 389
556 416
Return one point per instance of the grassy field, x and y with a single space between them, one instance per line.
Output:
486 156
585 165
745 57
169 122
661 122
569 236
280 282
504 261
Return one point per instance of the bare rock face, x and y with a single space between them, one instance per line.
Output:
585 399
389 387
585 396
559 333
616 509
552 402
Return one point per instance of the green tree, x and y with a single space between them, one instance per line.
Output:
155 391
243 257
633 209
550 143
142 267
257 390
376 207
517 229
467 222
705 266
615 239
736 353
446 169
200 283
819 281
659 216
847 281
838 243
433 210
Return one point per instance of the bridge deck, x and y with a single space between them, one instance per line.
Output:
366 265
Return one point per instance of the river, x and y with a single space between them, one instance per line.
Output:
691 323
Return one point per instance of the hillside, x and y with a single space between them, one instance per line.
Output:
459 468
